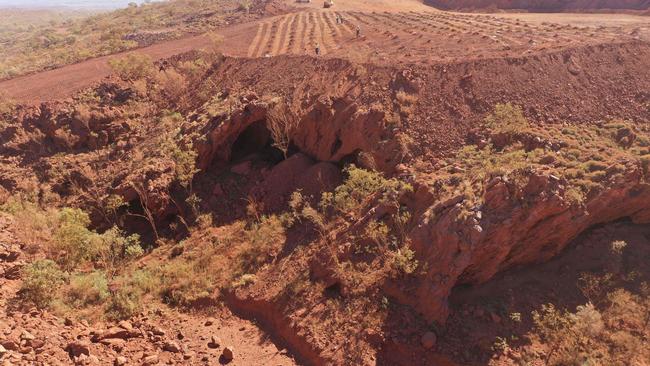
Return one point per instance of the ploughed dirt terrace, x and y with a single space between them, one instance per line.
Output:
403 33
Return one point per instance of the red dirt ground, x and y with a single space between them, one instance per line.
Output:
190 331
404 32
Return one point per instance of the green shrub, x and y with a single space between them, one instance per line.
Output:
358 186
73 242
114 247
184 283
144 281
301 209
244 6
618 246
378 233
506 118
551 324
41 281
133 67
261 239
124 303
404 261
244 280
87 289
593 166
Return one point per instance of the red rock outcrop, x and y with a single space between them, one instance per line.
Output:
507 230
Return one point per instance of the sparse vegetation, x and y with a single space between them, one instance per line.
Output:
80 261
41 280
580 337
358 187
53 39
87 289
507 118
404 261
133 67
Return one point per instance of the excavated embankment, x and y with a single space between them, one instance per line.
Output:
515 223
542 5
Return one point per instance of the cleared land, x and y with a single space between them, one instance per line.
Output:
403 33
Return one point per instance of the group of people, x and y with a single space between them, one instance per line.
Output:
339 20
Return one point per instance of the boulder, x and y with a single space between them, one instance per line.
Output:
27 336
150 360
78 348
228 353
428 340
125 325
10 345
116 332
171 347
215 342
36 343
9 255
158 331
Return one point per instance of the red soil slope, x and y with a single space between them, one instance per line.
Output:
543 5
395 38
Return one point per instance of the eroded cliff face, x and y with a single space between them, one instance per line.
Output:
542 5
505 230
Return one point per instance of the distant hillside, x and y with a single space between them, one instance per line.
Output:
543 5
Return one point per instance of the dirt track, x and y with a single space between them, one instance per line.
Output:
405 32
62 82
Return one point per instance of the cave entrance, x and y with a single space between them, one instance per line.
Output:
256 142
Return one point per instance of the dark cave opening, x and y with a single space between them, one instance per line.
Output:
256 141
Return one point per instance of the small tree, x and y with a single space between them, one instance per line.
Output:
146 207
282 122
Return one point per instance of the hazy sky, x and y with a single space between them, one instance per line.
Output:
78 4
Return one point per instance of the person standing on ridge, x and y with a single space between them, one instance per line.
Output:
317 49
358 32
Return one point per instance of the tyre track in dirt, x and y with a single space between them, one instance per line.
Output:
278 35
325 33
313 35
287 35
298 36
266 35
253 48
